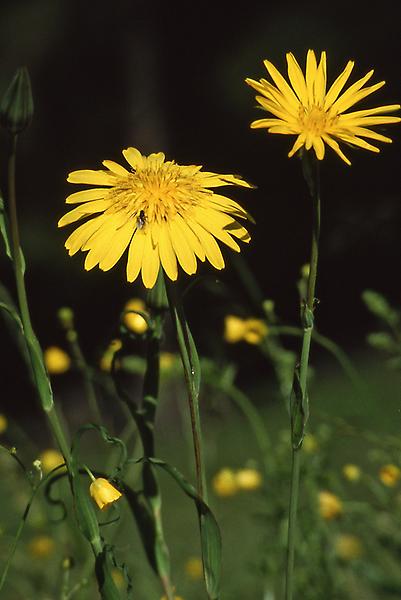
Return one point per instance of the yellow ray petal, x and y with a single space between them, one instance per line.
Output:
299 142
80 236
318 147
347 98
369 133
134 158
319 88
166 253
238 231
260 123
109 226
212 250
135 254
369 112
99 249
150 262
92 177
382 120
115 168
297 78
275 109
225 204
191 238
84 210
87 195
119 244
184 253
334 146
311 68
281 83
355 141
268 90
338 85
215 223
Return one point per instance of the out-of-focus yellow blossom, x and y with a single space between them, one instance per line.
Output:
225 483
351 472
305 270
50 459
248 479
249 330
310 444
118 578
389 475
175 598
41 546
3 423
107 358
193 567
56 360
167 360
103 493
348 547
330 506
132 320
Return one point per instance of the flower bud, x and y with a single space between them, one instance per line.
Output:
103 493
16 107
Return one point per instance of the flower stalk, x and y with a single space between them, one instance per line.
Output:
300 406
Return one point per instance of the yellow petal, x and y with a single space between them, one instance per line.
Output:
134 158
320 81
166 253
119 244
86 195
334 145
115 168
184 253
150 262
338 85
311 69
191 238
92 177
135 255
81 235
299 142
318 147
212 250
281 83
84 210
297 78
347 98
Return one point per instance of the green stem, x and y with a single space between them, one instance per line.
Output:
311 174
83 367
35 353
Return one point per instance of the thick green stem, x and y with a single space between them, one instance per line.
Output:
35 354
311 174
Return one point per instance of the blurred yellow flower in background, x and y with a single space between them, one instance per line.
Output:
389 475
224 483
167 361
317 117
118 578
194 568
164 213
348 547
248 479
103 493
56 360
236 330
50 459
107 359
132 320
3 423
330 506
351 472
310 443
41 546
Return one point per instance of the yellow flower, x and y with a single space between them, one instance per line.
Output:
389 475
351 472
41 546
167 360
175 598
56 360
194 568
161 211
255 331
310 443
50 459
103 493
225 483
107 358
248 479
316 116
3 423
348 547
330 506
249 330
132 320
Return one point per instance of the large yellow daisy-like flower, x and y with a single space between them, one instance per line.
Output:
163 212
317 116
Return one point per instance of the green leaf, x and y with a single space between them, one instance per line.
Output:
379 306
5 233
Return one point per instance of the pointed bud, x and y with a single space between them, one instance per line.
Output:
16 107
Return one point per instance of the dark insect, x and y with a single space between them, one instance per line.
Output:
141 220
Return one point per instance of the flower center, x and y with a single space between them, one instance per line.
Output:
156 194
314 120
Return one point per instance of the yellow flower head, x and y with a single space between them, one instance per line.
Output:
389 475
194 568
225 483
234 329
56 360
348 547
248 479
330 506
3 423
41 546
164 213
107 359
317 116
255 331
167 361
50 459
103 493
351 472
132 320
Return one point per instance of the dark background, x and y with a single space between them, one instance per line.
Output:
170 77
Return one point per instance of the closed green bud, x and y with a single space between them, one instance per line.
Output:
66 317
16 108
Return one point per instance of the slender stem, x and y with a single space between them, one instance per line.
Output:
83 367
39 371
311 174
